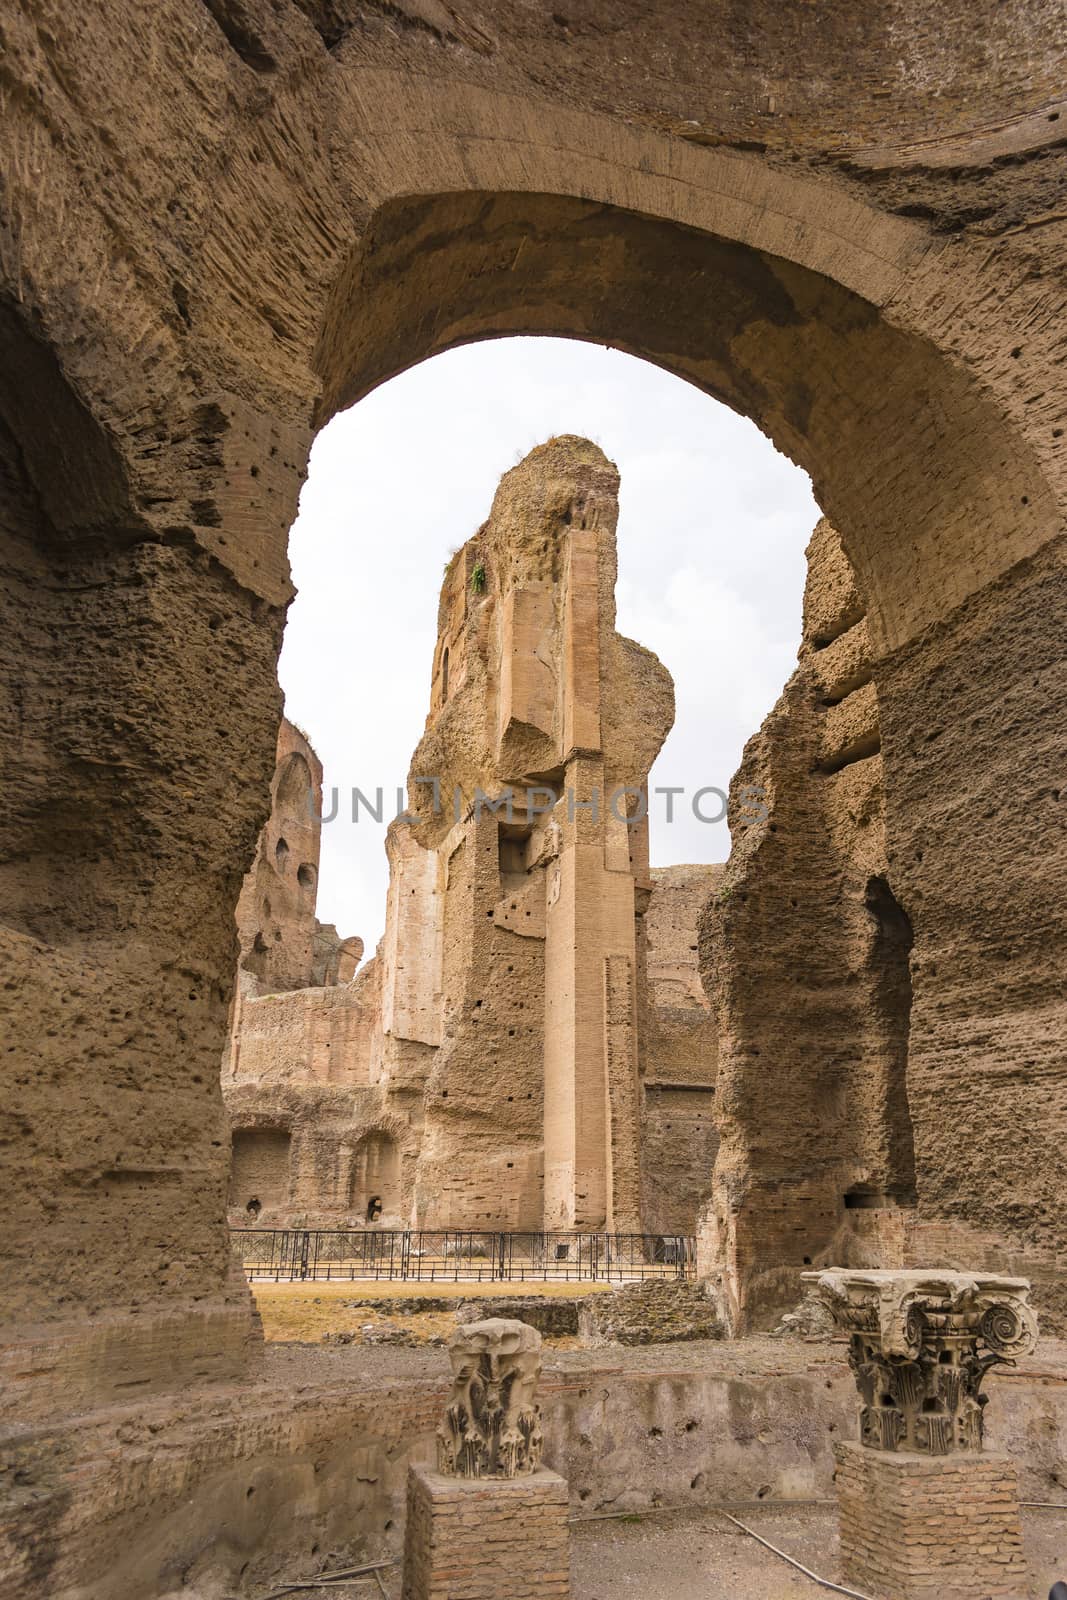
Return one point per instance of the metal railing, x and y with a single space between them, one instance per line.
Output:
459 1255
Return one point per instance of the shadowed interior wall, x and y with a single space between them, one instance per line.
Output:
259 1177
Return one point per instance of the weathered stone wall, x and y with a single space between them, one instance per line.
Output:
807 951
679 1055
276 922
314 1139
650 1313
551 1314
218 227
532 1103
681 1426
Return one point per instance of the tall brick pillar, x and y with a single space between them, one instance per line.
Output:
491 1522
926 1513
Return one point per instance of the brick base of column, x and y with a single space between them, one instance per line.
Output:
486 1538
917 1527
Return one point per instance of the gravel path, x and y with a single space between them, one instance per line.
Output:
698 1555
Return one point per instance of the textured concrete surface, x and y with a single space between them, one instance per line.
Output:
223 222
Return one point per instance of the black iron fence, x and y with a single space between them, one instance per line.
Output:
457 1255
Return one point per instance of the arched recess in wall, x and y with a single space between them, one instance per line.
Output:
295 788
259 1171
891 944
374 1179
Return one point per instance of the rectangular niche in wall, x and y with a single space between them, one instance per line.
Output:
259 1170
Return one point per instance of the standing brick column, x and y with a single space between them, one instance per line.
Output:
924 1511
491 1522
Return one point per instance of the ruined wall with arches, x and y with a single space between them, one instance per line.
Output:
214 235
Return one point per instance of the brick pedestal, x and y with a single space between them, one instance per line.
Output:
916 1527
486 1538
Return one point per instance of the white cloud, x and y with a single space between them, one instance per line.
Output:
712 531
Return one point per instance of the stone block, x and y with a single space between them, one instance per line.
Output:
486 1538
917 1527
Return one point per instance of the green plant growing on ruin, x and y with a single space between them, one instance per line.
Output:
478 579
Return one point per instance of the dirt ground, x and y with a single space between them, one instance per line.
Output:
699 1555
310 1311
690 1554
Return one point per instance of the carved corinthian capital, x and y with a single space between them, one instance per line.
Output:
492 1424
920 1345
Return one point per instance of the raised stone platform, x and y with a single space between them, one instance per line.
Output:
917 1527
486 1538
680 1424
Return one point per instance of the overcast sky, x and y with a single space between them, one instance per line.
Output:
712 530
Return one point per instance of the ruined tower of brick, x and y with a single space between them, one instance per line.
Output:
516 943
484 1070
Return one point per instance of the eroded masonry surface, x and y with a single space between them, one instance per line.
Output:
530 1048
221 223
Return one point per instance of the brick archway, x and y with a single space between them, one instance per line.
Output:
178 322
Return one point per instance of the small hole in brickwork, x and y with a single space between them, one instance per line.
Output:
1026 499
807 1261
1017 352
691 1425
655 1433
250 1491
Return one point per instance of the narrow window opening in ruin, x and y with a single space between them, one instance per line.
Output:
861 1199
513 845
305 875
281 854
444 676
891 999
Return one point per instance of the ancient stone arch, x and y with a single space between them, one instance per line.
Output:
220 231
